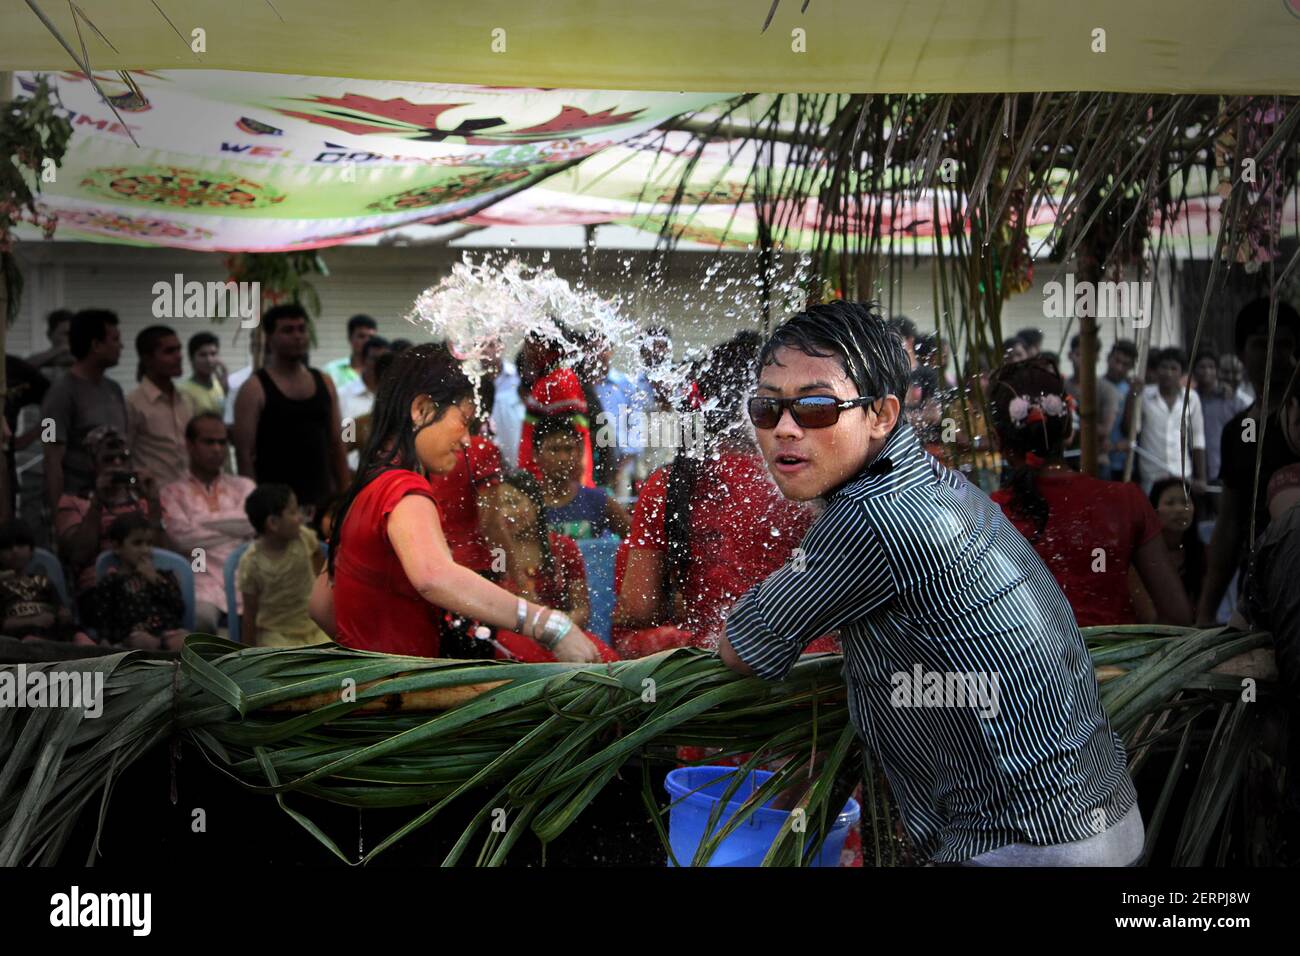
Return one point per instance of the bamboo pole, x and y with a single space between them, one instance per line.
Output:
6 493
1089 270
439 698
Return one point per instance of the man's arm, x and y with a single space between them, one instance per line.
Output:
842 573
248 409
80 542
53 454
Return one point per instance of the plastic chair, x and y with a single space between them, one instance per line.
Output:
163 561
228 573
46 563
598 555
232 591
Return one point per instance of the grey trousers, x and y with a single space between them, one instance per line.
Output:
1120 845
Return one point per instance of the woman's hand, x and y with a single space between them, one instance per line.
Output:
576 648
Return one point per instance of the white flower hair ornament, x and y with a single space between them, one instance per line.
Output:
1026 411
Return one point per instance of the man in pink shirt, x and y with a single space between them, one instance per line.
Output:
157 411
204 515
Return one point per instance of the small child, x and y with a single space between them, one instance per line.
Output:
29 603
277 571
136 605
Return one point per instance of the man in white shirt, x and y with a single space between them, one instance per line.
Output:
1163 451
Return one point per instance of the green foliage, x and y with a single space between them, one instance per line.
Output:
546 741
33 138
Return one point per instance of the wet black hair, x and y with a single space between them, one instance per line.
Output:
429 369
15 533
1034 377
724 378
265 502
198 340
1253 319
530 487
856 336
123 525
88 327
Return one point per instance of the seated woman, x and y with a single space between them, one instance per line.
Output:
1087 531
541 566
391 577
1176 510
572 508
707 528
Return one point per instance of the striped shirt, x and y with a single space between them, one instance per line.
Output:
967 675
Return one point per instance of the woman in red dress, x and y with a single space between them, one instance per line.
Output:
707 528
1087 531
392 573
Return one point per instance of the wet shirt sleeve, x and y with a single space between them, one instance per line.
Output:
839 573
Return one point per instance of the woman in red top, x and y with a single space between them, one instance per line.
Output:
390 567
1087 531
707 528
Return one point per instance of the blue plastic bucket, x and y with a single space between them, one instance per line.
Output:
749 843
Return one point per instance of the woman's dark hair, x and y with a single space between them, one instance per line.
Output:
724 379
1193 573
1035 441
856 336
530 487
265 502
429 369
14 533
123 525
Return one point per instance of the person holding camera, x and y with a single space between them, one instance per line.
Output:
81 521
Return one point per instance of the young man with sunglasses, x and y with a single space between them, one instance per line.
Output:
966 671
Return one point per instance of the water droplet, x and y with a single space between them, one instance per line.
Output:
776 532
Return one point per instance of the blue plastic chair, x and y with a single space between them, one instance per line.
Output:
232 591
229 574
47 563
598 555
163 561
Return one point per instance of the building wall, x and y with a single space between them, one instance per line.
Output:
703 297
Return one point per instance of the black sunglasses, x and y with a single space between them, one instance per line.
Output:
810 411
